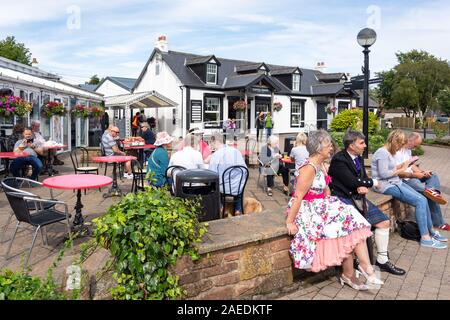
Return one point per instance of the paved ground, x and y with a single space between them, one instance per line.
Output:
428 274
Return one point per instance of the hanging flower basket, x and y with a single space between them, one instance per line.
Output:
331 110
53 108
277 106
12 105
80 111
240 105
96 111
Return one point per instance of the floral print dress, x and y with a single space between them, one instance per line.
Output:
320 219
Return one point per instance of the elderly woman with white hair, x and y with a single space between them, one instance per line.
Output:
299 153
270 156
326 230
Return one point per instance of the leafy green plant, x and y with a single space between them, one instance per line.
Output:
352 118
146 233
418 151
440 130
22 286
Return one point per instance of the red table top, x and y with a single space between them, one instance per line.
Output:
289 160
145 146
77 181
113 159
56 147
12 155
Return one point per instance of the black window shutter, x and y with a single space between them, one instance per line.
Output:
302 120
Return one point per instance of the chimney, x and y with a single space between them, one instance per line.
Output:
34 63
162 44
320 67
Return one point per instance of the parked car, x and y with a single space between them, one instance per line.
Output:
442 119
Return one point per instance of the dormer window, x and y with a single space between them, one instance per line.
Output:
211 73
296 82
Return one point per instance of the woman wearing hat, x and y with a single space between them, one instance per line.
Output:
159 159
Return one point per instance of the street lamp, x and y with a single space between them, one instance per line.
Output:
366 37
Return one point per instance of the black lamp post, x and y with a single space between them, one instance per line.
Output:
366 37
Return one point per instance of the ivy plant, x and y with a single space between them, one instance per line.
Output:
146 233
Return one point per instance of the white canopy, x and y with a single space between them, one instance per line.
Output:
148 99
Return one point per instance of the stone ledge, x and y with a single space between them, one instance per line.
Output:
240 230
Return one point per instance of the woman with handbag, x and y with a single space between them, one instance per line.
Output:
326 231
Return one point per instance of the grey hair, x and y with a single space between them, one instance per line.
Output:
191 141
217 136
273 140
414 136
316 141
33 122
351 136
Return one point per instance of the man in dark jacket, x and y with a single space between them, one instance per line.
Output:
350 181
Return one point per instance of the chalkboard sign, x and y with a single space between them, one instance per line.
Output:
196 111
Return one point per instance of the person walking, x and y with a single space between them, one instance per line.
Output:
259 122
268 124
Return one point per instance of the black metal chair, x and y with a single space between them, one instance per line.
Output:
80 161
170 176
138 176
39 219
233 174
15 184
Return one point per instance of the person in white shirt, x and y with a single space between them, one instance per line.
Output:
423 181
299 152
188 157
224 157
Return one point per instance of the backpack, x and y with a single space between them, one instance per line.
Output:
409 230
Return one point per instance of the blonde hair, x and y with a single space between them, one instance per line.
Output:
395 141
300 140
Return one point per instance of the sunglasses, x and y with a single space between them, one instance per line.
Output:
116 131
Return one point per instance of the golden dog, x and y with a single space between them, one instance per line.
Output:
251 205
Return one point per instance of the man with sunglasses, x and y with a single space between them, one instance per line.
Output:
110 147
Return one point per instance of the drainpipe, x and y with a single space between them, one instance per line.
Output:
182 111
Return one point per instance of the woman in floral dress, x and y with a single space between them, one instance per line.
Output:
326 231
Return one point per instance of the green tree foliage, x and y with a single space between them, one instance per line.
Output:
94 80
414 83
352 118
11 49
444 101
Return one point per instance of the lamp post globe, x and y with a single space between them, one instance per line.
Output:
366 37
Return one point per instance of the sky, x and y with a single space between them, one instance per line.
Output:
77 39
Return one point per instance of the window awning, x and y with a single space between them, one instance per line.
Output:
141 100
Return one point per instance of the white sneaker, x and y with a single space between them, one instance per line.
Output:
128 176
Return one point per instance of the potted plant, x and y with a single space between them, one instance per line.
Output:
53 108
240 105
277 106
80 111
12 105
331 110
96 111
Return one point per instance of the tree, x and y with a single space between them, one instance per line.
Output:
444 101
384 90
94 80
11 49
405 95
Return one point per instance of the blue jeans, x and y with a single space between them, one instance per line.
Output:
405 193
236 203
18 164
426 183
269 132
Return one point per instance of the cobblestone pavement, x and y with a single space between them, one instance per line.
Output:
428 270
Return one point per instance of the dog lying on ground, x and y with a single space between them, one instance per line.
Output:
251 205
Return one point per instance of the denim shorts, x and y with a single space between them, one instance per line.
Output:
374 215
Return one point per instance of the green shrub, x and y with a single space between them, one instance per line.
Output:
352 118
440 130
418 151
338 136
146 233
384 132
375 142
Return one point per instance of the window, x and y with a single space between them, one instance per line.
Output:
296 82
212 111
342 105
211 73
297 113
157 68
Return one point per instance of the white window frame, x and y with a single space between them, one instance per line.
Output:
299 113
295 84
210 72
208 106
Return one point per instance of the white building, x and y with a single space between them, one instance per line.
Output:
204 89
39 87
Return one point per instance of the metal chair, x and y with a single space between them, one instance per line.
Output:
14 184
232 174
82 164
250 147
39 219
170 176
138 176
